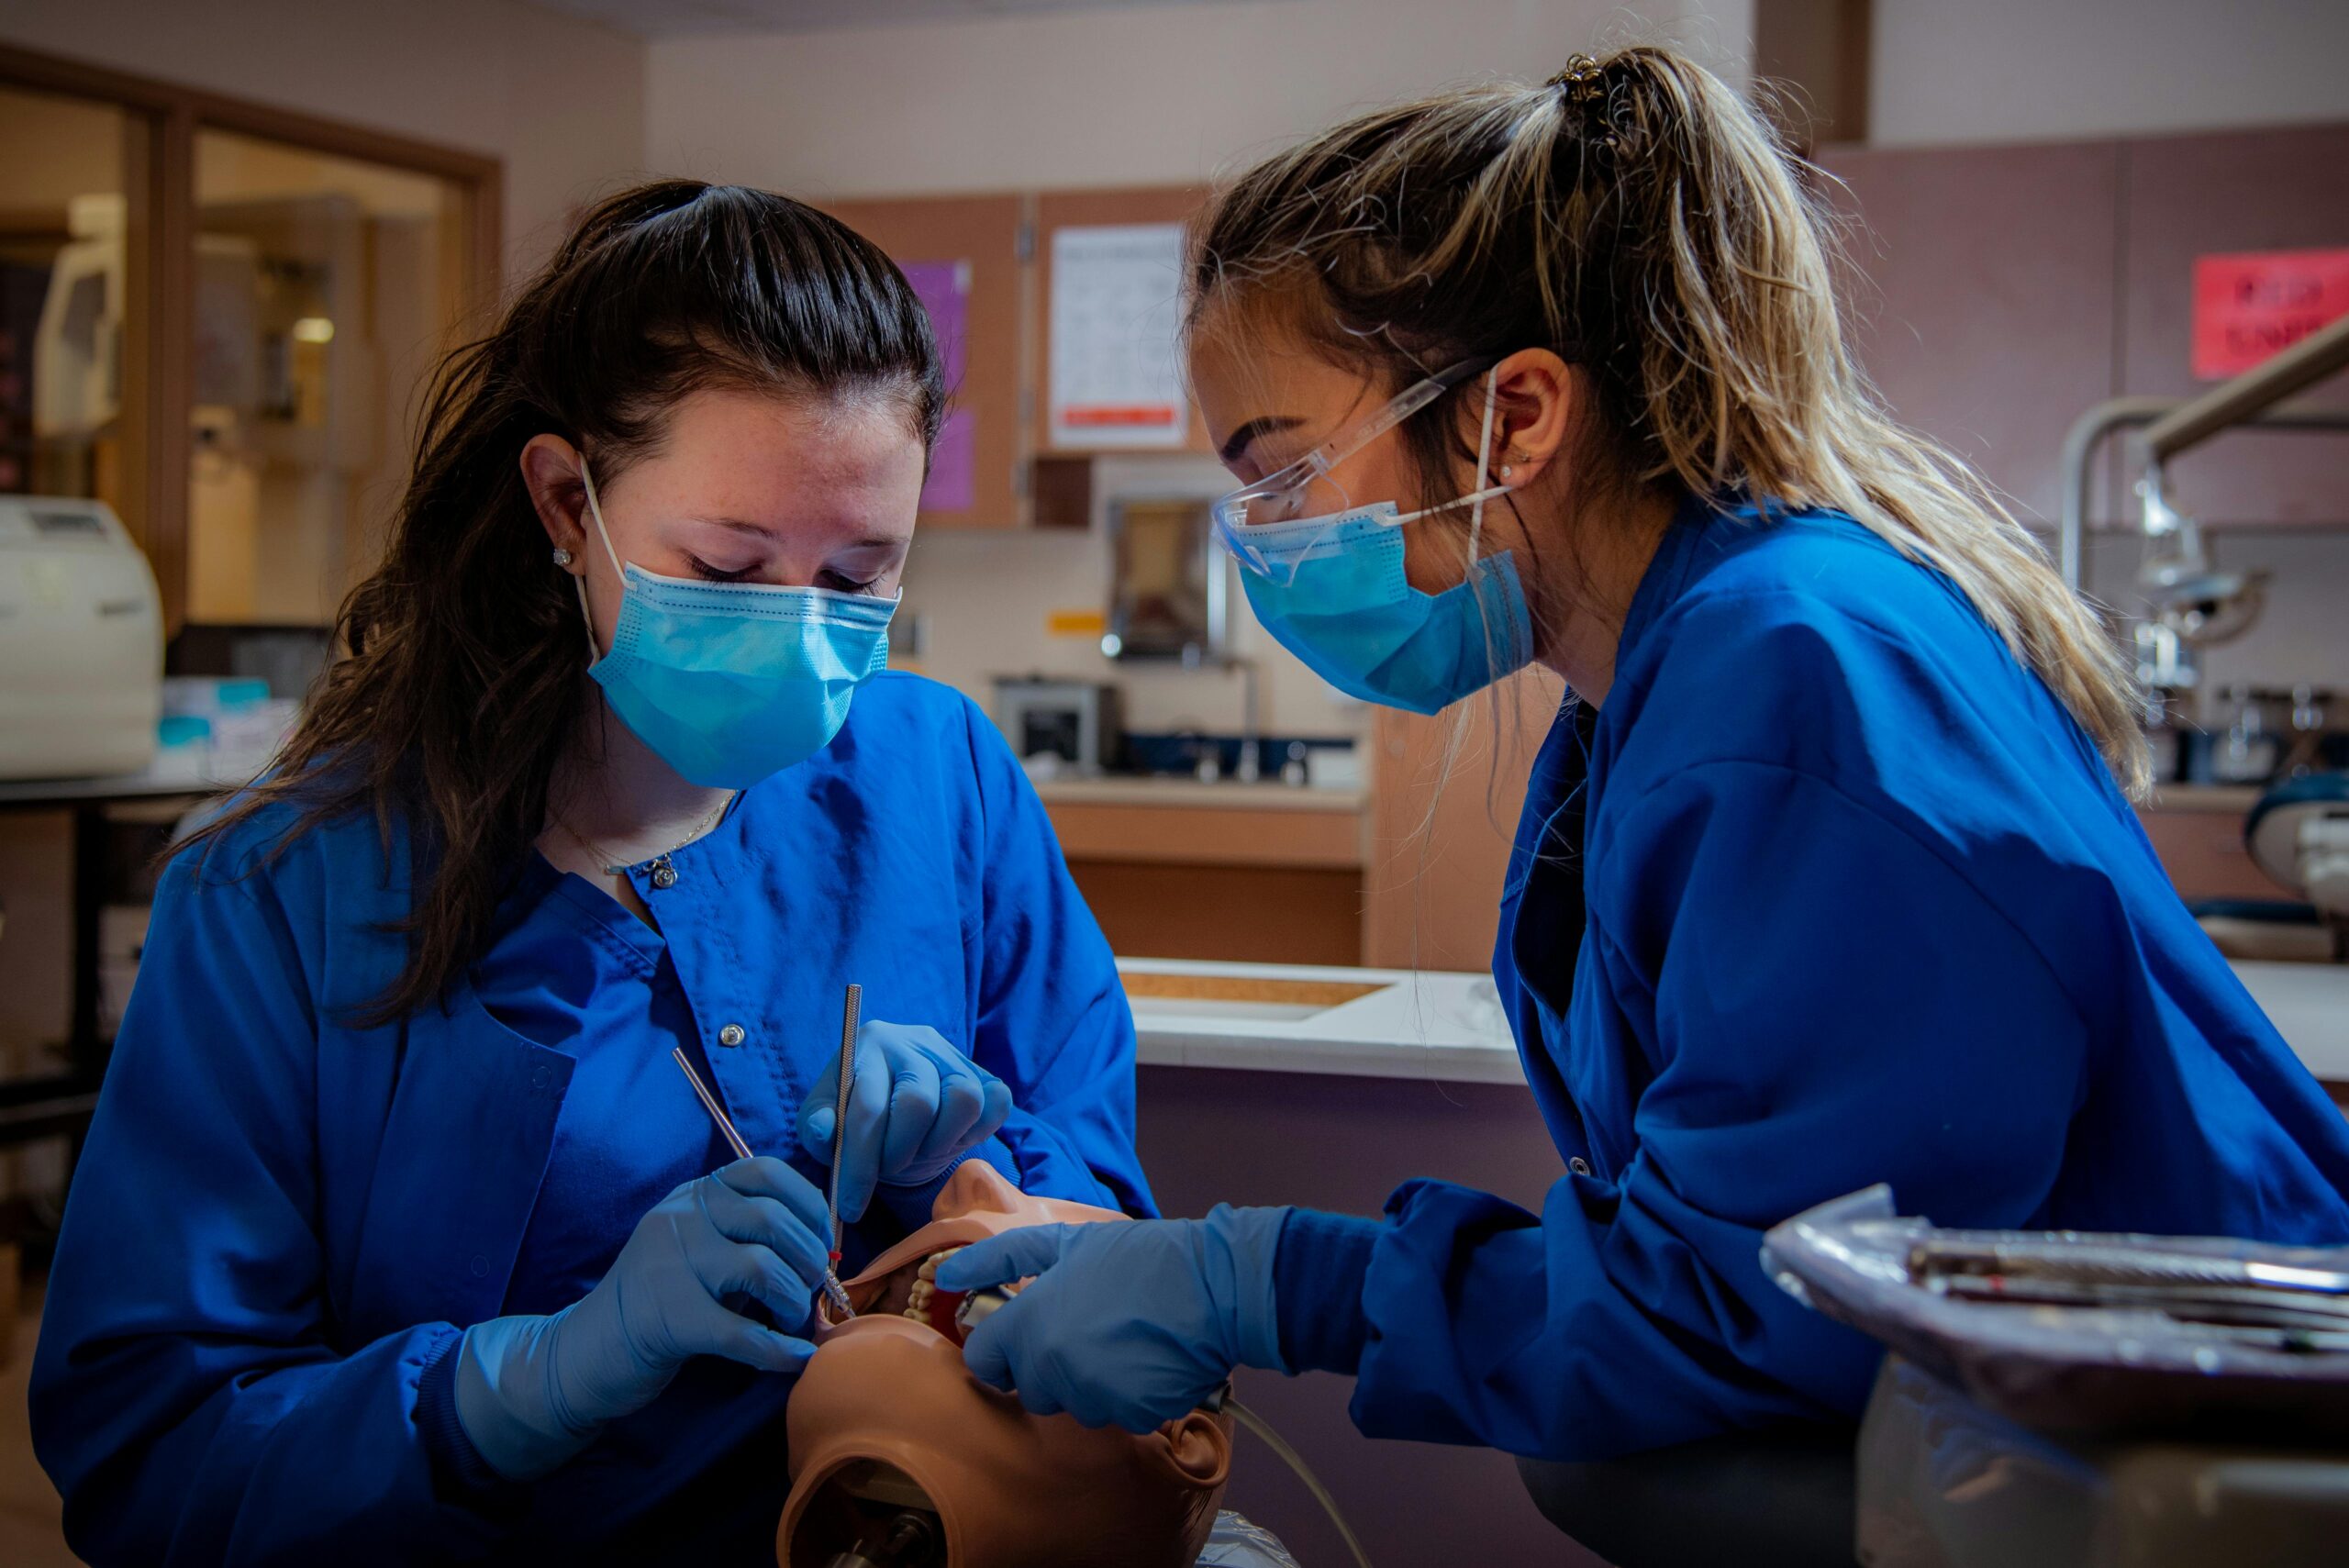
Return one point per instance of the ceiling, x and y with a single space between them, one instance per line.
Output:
677 18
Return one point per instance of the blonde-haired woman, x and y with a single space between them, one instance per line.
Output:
1830 877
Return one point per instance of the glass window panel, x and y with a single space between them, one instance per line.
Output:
325 289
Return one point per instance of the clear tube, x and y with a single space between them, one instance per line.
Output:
1295 1460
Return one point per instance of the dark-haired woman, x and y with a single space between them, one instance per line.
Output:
400 1235
1829 878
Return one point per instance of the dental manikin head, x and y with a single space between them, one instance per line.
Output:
901 1459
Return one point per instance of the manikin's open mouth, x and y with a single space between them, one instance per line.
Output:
912 1292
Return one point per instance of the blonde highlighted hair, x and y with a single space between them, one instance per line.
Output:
1637 217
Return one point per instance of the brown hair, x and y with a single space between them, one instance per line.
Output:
1635 216
458 681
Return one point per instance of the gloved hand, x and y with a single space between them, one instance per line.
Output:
532 1390
917 1105
1129 1325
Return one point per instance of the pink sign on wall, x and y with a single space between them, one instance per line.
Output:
2254 304
944 289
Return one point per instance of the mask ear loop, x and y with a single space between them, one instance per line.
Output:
1475 498
595 510
1484 459
1484 493
1477 510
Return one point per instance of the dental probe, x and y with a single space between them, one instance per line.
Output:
833 1292
709 1102
851 1007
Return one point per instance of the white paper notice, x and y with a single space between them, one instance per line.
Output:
1117 374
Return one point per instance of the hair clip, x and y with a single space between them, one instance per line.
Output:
1581 79
1584 81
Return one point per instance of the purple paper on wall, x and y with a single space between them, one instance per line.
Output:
944 290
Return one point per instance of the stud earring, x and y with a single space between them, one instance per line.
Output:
561 556
1506 471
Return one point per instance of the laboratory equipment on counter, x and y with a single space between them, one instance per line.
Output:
1078 723
81 640
2247 749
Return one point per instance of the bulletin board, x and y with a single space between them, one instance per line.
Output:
962 254
1057 210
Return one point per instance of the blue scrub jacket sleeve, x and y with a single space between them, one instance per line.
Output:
1053 1018
1836 1005
187 1397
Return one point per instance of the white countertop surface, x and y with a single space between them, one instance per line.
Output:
2309 1005
1449 1026
1441 1026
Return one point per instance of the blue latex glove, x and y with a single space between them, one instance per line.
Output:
532 1390
917 1107
1129 1325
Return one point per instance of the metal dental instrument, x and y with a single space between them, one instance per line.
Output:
833 1292
851 1007
709 1102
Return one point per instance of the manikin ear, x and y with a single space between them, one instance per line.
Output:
1536 398
1198 1449
550 468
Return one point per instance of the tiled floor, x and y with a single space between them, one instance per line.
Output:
29 1537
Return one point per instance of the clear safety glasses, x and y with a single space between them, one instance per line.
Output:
1281 496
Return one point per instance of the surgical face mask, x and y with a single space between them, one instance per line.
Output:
731 682
1332 590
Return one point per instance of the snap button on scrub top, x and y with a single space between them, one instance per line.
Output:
731 1034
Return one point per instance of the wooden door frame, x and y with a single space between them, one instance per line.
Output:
160 188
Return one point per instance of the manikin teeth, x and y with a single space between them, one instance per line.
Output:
925 1286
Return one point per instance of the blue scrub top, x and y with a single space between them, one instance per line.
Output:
1831 891
282 1220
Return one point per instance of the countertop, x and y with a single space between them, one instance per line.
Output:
2232 800
1225 795
1434 1025
2309 1005
1449 1026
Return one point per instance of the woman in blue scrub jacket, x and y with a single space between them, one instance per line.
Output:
1827 876
399 1235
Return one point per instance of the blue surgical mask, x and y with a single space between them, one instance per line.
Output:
731 682
1332 590
1337 598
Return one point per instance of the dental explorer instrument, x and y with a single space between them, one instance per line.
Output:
834 1292
709 1102
852 1010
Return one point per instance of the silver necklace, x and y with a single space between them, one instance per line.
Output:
603 857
